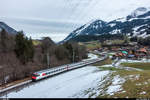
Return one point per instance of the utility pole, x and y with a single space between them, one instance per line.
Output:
48 60
73 55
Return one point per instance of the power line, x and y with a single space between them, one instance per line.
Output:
84 11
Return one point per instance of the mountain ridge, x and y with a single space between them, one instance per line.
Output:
7 28
135 24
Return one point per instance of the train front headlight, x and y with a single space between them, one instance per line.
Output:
33 77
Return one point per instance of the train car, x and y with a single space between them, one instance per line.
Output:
48 72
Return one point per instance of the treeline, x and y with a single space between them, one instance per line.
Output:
101 38
24 48
19 57
141 41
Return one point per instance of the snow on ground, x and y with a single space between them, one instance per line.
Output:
132 61
117 65
72 84
91 56
121 20
143 92
116 85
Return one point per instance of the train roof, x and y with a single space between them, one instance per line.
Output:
50 69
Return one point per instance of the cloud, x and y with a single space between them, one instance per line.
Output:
63 16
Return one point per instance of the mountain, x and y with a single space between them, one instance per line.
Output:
88 29
135 24
7 28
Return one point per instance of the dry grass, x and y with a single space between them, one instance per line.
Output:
145 66
137 85
91 45
105 62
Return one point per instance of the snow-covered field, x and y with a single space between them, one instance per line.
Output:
117 64
79 83
86 82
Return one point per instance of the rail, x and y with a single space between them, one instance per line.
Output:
74 66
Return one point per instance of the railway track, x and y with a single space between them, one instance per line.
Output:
74 66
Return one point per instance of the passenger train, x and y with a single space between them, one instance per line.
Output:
52 71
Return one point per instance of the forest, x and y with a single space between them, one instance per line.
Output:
20 57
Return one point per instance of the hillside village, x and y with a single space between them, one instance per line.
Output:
120 49
129 51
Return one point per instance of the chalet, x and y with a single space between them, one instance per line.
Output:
142 50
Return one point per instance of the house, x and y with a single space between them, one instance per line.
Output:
142 51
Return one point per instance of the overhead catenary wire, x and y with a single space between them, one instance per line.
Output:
73 6
85 11
81 14
93 4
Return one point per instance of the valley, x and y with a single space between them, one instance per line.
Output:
98 58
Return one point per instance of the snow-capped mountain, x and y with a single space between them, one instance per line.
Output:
88 29
135 24
7 28
139 11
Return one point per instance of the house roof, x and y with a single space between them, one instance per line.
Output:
142 50
124 52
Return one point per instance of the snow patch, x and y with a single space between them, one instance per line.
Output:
116 85
116 31
143 92
121 20
112 25
133 78
138 84
139 11
130 61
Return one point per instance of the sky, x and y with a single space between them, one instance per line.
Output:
58 18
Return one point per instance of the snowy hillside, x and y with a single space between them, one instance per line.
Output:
87 29
140 11
135 24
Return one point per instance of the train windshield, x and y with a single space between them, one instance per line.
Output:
35 75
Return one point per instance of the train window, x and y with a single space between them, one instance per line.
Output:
43 74
35 75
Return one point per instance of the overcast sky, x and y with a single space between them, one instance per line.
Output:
57 18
